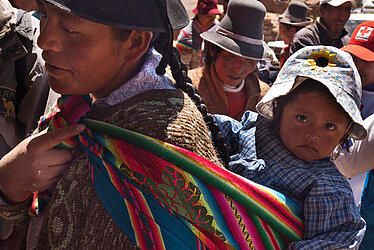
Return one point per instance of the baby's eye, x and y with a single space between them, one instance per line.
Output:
330 126
302 118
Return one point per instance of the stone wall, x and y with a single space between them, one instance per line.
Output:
275 8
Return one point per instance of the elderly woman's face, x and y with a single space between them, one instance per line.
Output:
81 56
232 69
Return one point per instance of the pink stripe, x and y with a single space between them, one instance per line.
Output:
136 226
185 33
251 228
270 234
230 218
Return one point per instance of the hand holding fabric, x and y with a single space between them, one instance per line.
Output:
34 164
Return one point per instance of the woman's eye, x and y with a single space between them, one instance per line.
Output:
330 126
302 118
67 30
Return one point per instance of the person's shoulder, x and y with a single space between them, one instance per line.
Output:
264 87
186 30
309 30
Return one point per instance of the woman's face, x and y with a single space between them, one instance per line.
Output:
312 125
206 21
232 69
80 56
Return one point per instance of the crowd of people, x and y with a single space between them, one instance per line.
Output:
303 134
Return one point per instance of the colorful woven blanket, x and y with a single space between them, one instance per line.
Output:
163 196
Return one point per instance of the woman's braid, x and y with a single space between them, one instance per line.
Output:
171 56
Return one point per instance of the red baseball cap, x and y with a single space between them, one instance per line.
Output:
361 43
206 7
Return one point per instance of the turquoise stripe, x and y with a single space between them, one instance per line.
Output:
217 213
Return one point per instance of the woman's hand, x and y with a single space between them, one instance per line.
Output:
34 165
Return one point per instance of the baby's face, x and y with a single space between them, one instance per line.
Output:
312 125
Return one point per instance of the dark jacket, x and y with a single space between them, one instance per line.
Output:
316 34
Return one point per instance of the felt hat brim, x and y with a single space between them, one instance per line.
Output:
286 20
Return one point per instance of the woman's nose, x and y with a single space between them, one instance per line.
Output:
50 34
237 65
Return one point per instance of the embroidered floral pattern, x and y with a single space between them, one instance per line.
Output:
322 59
145 80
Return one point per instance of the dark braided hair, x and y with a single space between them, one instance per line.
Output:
171 56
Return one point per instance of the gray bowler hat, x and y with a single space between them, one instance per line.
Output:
295 14
148 15
241 29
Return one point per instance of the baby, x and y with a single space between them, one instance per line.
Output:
305 119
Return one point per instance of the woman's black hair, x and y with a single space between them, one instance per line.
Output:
171 56
207 57
307 86
290 26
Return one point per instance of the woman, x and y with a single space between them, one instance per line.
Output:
109 55
189 41
292 20
227 82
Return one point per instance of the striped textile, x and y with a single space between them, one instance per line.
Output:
164 196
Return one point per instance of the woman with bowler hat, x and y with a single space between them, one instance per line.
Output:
292 20
227 81
189 40
108 59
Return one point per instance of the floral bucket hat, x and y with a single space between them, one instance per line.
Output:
328 65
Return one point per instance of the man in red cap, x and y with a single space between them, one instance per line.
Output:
359 159
361 47
189 40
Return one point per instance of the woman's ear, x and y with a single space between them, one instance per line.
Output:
138 43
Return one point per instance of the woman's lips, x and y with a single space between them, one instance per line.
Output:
234 77
53 70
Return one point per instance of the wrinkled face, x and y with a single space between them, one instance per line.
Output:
312 125
206 21
366 70
286 34
232 69
336 17
80 56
